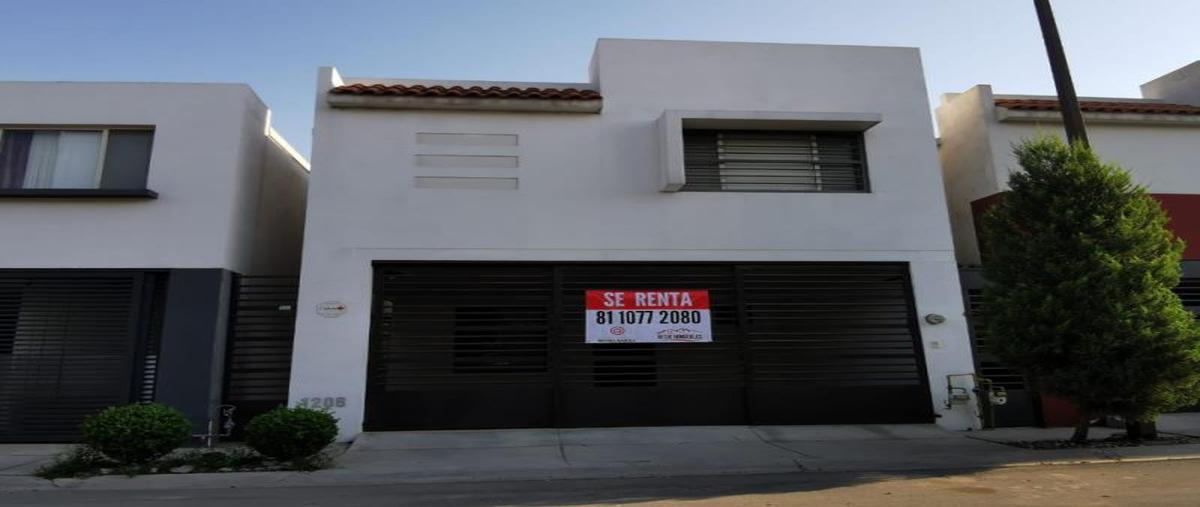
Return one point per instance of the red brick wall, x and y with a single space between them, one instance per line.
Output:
1184 210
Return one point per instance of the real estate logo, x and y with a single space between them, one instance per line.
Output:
682 335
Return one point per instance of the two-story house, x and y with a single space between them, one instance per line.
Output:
126 211
457 230
1153 137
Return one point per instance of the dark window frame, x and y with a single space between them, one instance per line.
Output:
120 192
858 136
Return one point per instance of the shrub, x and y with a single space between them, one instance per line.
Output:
1080 266
290 434
136 434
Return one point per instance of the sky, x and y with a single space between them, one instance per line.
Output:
275 46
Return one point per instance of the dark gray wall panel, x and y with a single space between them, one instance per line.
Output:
192 352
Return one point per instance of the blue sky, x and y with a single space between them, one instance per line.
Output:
276 45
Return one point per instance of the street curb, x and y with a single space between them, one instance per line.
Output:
1102 461
341 476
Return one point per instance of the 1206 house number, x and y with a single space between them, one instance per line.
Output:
319 403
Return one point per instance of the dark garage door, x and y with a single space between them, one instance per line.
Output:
73 342
500 345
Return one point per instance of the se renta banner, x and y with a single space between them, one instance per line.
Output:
648 316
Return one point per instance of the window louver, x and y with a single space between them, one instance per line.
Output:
773 161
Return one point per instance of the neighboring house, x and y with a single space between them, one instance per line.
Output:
454 227
1154 138
127 209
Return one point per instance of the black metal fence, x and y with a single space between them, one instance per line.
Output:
1024 407
259 345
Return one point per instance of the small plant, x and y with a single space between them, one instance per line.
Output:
136 434
78 461
211 460
292 434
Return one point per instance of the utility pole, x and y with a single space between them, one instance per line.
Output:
1076 133
1067 101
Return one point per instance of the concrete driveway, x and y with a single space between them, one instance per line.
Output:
679 451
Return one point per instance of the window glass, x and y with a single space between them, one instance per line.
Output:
77 156
71 159
127 159
14 157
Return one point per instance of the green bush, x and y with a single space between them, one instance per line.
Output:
1081 264
289 434
136 434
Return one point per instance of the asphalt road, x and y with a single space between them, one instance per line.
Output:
1124 484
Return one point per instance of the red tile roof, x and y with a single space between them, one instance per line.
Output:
1098 106
474 92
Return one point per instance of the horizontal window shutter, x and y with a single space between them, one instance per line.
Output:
773 161
700 160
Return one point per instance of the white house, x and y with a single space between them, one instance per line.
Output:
126 210
1153 137
454 229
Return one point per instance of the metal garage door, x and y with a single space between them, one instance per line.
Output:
501 345
73 342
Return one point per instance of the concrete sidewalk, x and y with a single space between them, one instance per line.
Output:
473 456
24 459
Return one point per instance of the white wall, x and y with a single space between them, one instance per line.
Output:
1163 158
977 155
282 195
965 150
1180 86
588 189
205 165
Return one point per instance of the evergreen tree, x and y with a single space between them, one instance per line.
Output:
1080 266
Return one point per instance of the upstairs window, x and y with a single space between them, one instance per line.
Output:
773 161
74 158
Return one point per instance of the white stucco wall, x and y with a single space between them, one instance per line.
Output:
1163 158
976 152
206 165
279 220
965 151
589 189
1180 86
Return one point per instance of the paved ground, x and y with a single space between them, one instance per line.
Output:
1122 484
414 458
